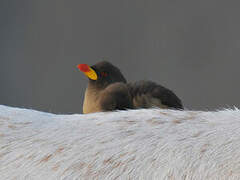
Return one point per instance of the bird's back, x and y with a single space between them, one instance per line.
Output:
146 94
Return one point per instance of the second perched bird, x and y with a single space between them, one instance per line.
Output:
108 90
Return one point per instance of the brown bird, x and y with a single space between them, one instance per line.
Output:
108 90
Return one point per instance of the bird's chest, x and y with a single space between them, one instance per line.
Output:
91 101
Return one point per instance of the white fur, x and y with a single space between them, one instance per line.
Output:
137 144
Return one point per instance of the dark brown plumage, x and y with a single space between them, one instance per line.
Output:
147 94
110 91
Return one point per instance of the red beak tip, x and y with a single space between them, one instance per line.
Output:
83 67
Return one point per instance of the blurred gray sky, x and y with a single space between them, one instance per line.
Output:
191 47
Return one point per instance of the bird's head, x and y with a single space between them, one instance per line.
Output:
102 74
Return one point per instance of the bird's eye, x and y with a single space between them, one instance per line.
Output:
104 74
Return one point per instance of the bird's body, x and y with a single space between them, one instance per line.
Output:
108 90
147 94
114 96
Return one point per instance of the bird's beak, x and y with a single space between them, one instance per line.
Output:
88 71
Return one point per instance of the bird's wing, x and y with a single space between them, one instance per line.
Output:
146 94
116 97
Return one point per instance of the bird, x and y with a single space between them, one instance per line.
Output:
108 90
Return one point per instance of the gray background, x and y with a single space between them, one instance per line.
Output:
191 47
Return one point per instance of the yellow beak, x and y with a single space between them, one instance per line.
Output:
88 71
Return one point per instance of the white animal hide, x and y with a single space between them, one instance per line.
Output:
136 144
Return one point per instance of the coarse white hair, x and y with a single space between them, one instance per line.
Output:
135 144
